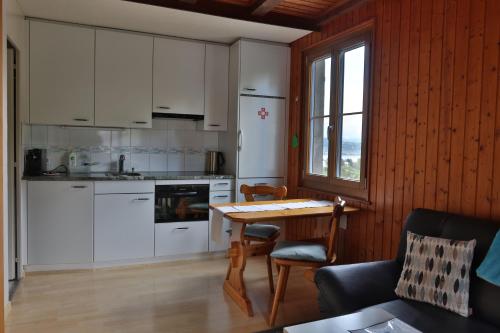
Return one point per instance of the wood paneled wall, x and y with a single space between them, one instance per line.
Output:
434 137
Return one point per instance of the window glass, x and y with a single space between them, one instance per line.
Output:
354 71
350 156
351 117
319 116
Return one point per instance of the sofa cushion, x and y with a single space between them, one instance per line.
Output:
301 251
483 295
436 271
430 319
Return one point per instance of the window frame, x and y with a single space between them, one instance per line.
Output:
336 48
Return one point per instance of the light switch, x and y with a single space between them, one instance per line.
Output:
343 222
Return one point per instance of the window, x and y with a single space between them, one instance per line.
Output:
337 84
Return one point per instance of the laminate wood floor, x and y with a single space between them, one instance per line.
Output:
183 296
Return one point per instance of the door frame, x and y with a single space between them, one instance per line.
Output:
12 151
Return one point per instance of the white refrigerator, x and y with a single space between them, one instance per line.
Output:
261 137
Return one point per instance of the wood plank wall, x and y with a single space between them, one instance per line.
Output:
434 138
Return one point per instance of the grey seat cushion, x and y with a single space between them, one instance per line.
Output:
301 251
262 231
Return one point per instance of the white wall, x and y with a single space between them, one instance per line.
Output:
15 29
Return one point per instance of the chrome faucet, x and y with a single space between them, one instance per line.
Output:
120 163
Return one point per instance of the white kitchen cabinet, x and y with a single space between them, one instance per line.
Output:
178 80
216 87
123 79
61 81
264 68
219 197
60 216
181 238
124 226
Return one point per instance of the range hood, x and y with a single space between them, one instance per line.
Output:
195 117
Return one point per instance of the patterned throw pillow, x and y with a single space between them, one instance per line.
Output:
436 271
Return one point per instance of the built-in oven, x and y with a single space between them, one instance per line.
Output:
181 201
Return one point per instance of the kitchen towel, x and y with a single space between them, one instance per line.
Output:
489 269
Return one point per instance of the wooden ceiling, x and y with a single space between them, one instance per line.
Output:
300 14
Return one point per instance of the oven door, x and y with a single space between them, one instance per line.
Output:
180 203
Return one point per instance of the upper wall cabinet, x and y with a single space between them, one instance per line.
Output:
123 82
61 82
179 68
264 69
216 87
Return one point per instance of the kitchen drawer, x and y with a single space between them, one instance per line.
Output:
258 181
221 184
221 197
181 238
138 186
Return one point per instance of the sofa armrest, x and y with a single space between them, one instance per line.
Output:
346 288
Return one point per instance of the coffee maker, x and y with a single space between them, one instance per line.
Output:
35 162
215 162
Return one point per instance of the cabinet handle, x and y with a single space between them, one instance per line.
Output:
221 196
214 125
80 119
221 184
141 199
249 89
164 107
182 228
140 122
240 139
260 184
79 186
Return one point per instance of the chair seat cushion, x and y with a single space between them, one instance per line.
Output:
262 231
300 251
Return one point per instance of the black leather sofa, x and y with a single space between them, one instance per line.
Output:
345 289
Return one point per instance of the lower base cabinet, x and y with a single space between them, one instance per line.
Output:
181 238
220 197
124 226
60 222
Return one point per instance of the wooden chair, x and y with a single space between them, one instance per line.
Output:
260 239
305 254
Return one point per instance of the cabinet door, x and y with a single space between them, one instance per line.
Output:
181 238
216 87
261 146
124 79
124 226
60 218
264 69
179 69
61 84
217 198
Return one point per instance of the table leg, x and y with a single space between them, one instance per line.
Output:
234 285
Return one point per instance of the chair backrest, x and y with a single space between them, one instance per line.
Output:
338 210
278 193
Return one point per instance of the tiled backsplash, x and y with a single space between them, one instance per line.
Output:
171 145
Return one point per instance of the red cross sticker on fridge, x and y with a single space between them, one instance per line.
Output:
263 113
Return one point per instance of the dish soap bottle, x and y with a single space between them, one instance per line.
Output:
72 161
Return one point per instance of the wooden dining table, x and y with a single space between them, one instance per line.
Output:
234 284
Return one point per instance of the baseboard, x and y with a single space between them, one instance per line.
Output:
122 263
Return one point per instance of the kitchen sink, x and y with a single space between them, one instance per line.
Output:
124 174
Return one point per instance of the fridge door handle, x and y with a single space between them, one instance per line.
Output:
240 140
